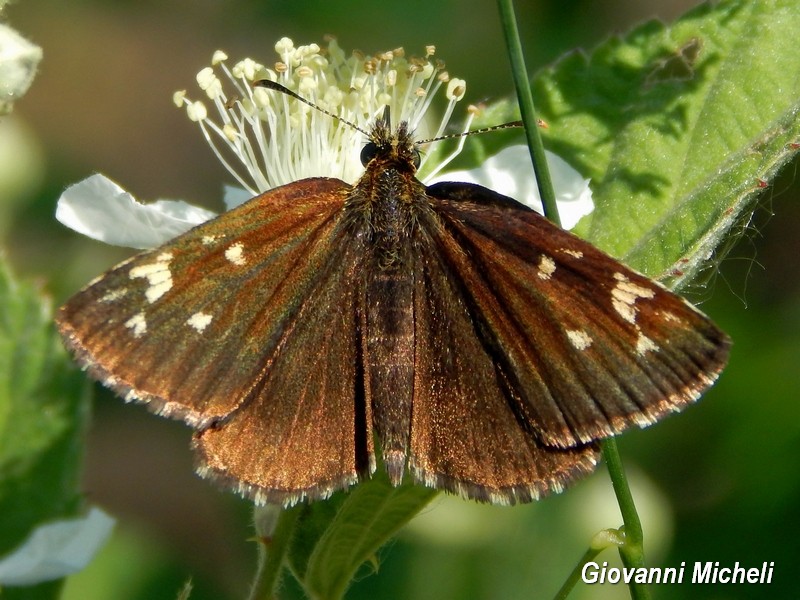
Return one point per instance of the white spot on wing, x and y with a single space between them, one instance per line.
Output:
137 324
199 321
547 267
579 339
157 274
155 291
624 297
114 295
235 254
644 344
571 252
626 311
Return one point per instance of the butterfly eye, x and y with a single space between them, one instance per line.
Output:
369 152
416 158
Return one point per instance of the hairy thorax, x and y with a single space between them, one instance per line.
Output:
385 205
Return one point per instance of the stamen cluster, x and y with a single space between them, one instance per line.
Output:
266 139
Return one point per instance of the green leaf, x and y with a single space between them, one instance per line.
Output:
43 412
334 538
679 127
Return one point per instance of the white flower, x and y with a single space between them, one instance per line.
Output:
100 209
55 550
19 60
266 139
509 172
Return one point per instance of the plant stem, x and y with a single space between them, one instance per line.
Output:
527 110
575 576
632 551
272 549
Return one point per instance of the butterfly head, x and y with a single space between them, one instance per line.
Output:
391 148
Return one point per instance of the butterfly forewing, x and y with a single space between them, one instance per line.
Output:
177 327
466 435
588 346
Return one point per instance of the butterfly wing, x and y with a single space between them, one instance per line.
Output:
177 327
305 429
467 436
587 346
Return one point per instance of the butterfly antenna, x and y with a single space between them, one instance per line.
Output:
447 160
511 125
274 85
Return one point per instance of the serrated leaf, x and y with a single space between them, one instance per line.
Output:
678 126
334 538
43 412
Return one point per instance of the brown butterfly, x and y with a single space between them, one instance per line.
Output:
447 330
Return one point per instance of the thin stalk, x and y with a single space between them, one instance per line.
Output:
272 551
632 551
575 576
527 110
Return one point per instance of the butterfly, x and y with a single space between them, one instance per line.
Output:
323 330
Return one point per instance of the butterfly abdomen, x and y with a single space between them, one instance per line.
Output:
389 339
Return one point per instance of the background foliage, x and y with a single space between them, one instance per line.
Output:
717 483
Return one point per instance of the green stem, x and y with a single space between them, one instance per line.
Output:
272 549
575 576
632 551
527 110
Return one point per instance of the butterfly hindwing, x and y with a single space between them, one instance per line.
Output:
177 327
305 428
589 347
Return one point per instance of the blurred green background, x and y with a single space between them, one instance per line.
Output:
718 483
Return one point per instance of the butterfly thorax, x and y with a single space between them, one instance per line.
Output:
387 198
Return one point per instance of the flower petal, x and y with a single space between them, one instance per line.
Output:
19 60
55 550
509 173
234 196
100 209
